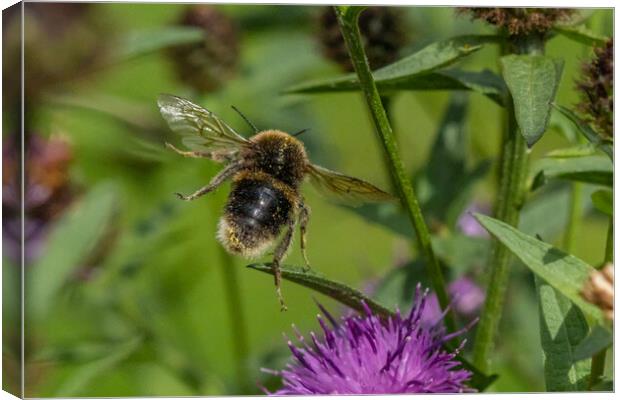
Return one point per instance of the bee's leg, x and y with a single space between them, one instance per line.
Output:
304 217
217 180
192 154
278 255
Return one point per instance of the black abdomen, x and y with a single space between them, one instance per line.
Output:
254 215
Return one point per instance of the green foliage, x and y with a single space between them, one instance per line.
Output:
564 272
596 170
562 327
581 34
80 231
423 70
336 290
586 130
140 43
88 372
603 200
597 340
533 82
446 182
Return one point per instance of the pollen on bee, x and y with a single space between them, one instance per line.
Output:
234 241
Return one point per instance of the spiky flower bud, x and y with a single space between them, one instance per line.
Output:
382 30
206 65
520 21
599 290
596 88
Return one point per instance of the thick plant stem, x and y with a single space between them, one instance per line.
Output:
507 207
237 316
508 204
347 19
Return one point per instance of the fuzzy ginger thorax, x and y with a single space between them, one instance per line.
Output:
280 155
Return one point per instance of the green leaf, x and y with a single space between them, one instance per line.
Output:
80 380
143 42
336 290
562 327
484 82
433 57
586 130
562 271
596 170
581 34
72 240
420 71
353 298
582 150
533 82
603 200
599 339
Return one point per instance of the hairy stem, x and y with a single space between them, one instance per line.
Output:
508 204
347 19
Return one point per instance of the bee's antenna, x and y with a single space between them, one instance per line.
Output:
300 132
246 119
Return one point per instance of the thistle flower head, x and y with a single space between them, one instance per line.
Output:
206 65
520 21
596 88
382 30
368 355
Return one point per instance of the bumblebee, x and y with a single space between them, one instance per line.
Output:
267 171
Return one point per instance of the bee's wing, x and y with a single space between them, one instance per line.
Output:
345 187
201 129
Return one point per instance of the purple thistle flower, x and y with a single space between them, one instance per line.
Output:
367 355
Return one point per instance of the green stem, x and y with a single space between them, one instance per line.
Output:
574 215
597 368
508 204
609 246
347 19
237 317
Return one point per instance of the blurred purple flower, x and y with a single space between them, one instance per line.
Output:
466 296
47 192
468 224
365 355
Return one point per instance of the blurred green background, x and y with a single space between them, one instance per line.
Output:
153 317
